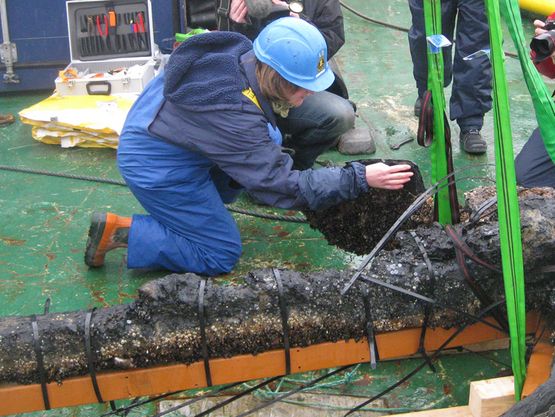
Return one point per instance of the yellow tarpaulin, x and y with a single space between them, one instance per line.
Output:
86 121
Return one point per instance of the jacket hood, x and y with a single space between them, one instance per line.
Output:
204 71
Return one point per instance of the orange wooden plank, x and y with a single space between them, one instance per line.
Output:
539 367
151 381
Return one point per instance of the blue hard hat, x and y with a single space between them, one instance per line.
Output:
297 51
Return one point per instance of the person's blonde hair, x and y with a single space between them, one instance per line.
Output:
272 85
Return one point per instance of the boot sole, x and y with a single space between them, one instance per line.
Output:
96 230
476 150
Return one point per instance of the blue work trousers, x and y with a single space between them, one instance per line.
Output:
534 167
315 126
471 91
188 228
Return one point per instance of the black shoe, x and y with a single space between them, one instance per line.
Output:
418 107
471 142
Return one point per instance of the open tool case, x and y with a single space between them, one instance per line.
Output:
111 47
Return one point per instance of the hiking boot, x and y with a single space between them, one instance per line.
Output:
107 232
356 141
6 119
418 107
471 142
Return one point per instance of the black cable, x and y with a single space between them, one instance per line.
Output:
369 19
162 396
422 365
288 394
291 219
220 404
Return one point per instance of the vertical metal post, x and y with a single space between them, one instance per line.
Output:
8 52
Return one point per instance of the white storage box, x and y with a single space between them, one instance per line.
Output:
111 47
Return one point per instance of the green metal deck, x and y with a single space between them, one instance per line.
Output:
44 219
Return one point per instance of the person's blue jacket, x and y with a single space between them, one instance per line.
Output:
204 111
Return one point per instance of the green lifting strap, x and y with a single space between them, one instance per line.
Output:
507 198
543 103
432 18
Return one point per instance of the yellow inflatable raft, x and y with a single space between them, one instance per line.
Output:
540 7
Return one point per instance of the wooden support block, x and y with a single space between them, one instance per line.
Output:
491 397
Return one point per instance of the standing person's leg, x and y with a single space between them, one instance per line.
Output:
533 165
471 95
315 126
419 47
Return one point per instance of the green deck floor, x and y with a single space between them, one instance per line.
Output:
44 220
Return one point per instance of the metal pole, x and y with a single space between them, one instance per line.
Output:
8 52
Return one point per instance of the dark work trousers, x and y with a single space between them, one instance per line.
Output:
471 92
315 126
534 167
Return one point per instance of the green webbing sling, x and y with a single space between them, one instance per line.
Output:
507 199
432 18
543 103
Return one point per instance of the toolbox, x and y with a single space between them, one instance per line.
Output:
111 47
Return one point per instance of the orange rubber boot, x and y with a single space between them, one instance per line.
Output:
108 231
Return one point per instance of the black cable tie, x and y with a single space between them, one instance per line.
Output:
427 307
47 306
372 345
89 354
203 332
40 362
370 280
284 319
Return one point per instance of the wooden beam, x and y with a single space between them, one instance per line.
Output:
539 367
151 381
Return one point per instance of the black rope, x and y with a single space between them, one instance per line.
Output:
462 250
203 341
191 401
221 403
289 393
291 219
284 318
428 308
89 354
372 346
422 365
130 407
40 362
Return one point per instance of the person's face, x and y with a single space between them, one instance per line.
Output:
297 98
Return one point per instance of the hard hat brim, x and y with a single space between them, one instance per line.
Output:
322 82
